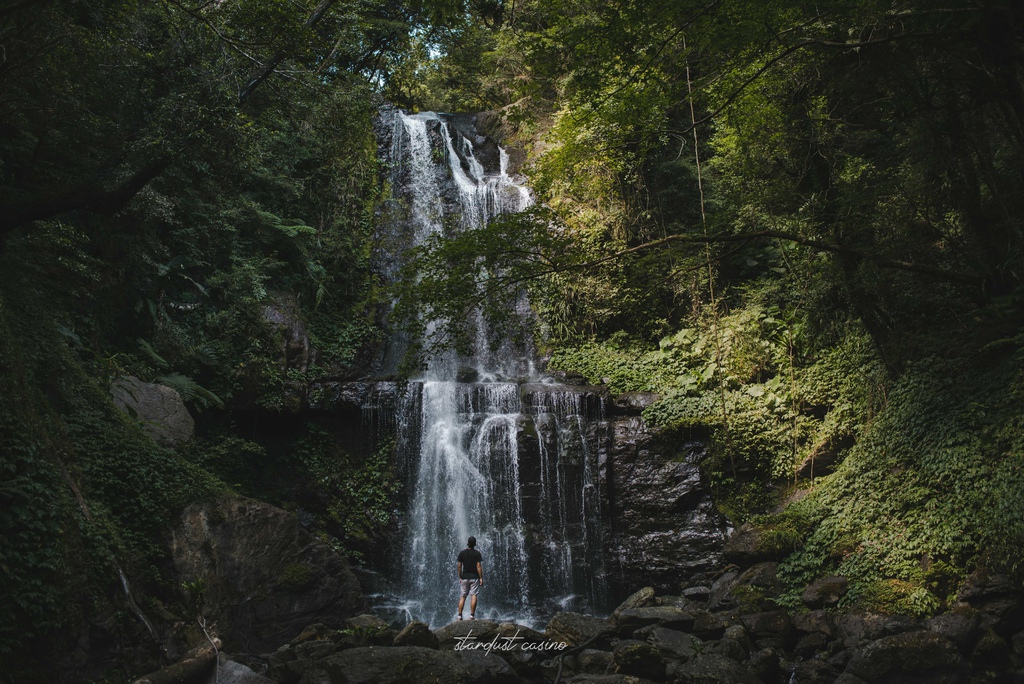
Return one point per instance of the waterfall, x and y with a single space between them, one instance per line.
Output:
513 466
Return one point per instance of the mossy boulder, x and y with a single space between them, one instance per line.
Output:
576 629
639 659
158 408
748 545
825 592
919 656
417 634
265 578
404 664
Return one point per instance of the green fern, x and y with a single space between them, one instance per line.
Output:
190 390
148 349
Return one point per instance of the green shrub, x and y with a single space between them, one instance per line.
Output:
896 597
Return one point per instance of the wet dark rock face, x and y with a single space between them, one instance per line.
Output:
662 523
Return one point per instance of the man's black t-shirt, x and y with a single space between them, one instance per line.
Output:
469 558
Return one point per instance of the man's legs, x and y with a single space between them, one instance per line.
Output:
473 589
464 589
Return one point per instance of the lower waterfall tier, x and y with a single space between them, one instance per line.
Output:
574 501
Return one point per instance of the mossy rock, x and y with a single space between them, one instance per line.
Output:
295 577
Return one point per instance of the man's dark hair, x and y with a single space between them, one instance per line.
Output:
471 542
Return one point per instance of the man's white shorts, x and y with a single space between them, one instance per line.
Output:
469 587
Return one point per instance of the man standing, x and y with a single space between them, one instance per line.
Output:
471 576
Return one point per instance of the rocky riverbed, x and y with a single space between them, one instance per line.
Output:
726 633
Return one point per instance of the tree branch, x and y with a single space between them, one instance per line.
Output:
89 196
739 90
885 262
267 69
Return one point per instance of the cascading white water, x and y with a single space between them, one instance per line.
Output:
465 445
427 211
466 485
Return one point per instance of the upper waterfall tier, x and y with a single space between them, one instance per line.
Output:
446 177
450 176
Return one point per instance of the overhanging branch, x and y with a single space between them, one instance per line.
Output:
267 69
886 262
89 196
936 272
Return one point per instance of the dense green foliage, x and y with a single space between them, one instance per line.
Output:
351 495
173 176
800 226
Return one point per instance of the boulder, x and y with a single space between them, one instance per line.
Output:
997 596
311 651
920 656
825 592
738 632
233 672
672 644
592 661
195 667
463 632
606 679
404 664
719 595
640 599
745 547
159 408
814 621
814 672
991 652
638 659
762 576
295 351
712 668
417 634
666 616
526 661
290 663
1017 642
314 632
860 625
757 586
962 626
848 678
699 594
733 649
770 629
283 665
633 403
764 664
809 644
521 633
710 625
676 602
258 574
373 629
577 629
841 658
